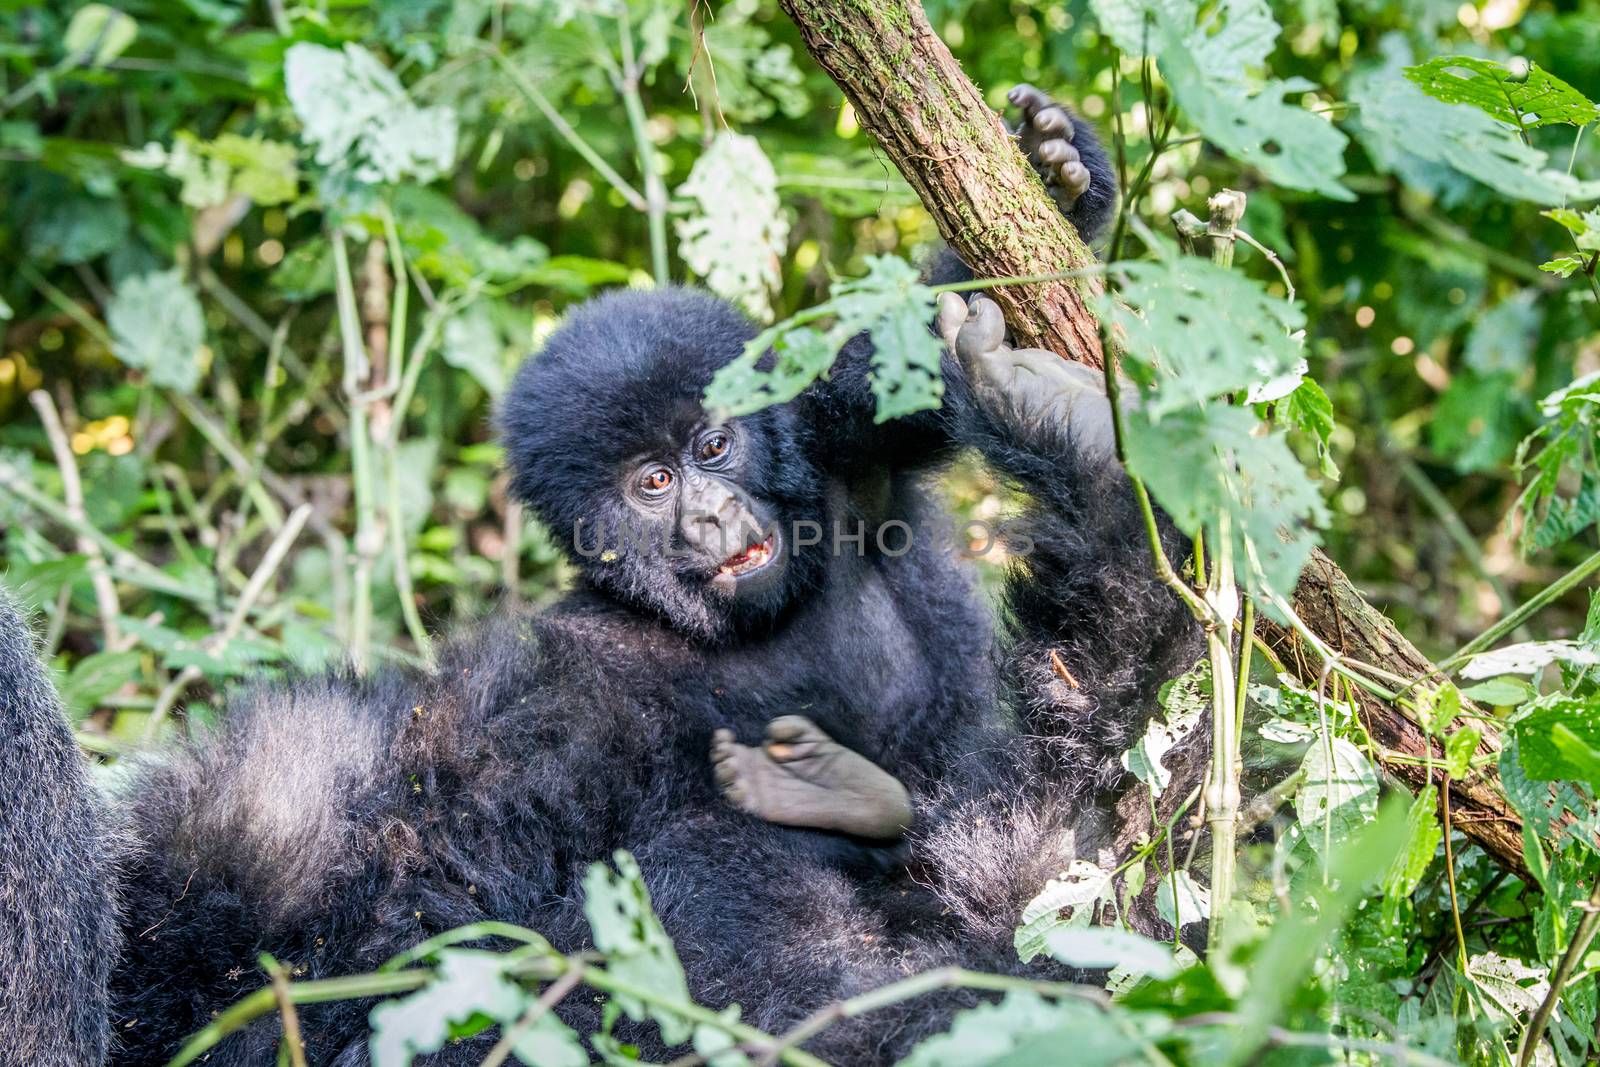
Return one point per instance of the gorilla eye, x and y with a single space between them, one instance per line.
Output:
657 480
714 444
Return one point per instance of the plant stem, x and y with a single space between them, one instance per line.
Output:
368 539
1555 590
655 190
1576 948
565 129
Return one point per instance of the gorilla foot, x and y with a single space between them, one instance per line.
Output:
1046 134
802 777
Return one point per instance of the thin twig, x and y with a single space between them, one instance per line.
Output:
105 590
290 1017
555 994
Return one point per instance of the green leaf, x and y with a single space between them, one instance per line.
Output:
1339 795
104 29
738 229
1404 120
1206 58
1184 700
1503 692
1504 337
883 302
469 990
95 677
1585 228
1528 657
1180 900
905 362
1024 1028
75 228
357 116
637 948
1566 266
1103 947
1557 738
1202 465
1200 332
1308 409
1459 750
1526 97
472 343
157 326
1423 835
1069 900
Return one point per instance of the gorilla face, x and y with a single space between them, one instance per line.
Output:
660 507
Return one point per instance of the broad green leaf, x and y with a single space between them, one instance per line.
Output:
105 30
1526 97
1559 738
1207 465
1503 692
211 171
472 343
1423 835
1547 806
1024 1028
1339 795
1565 266
469 991
444 242
1503 338
905 362
1201 332
76 228
157 326
1206 60
637 949
1585 227
738 229
1405 120
1529 657
357 116
1069 900
1180 900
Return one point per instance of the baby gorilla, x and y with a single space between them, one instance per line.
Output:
802 777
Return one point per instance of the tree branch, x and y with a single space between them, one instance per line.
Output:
909 92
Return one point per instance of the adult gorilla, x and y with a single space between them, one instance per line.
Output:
334 821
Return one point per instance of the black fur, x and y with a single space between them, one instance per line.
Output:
335 821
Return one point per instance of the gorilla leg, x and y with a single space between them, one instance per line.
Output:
58 935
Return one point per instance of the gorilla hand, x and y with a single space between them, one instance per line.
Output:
1046 133
1026 389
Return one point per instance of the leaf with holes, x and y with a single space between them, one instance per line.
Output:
737 231
1525 97
637 948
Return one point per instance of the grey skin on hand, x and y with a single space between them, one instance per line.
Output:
1026 388
1045 134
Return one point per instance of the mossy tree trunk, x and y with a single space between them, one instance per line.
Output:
909 93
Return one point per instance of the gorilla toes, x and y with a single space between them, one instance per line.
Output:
1045 134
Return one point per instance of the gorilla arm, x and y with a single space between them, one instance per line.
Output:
57 912
1093 632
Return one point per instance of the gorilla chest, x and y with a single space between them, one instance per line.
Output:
850 658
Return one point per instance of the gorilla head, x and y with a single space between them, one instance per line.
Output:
609 445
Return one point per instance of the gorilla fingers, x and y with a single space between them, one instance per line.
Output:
1027 389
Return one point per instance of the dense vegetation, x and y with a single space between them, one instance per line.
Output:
271 264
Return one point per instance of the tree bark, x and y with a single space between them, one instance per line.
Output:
909 92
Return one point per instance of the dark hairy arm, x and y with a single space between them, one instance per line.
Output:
57 913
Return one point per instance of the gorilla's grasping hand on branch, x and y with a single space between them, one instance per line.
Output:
334 821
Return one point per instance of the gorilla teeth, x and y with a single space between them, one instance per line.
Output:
752 558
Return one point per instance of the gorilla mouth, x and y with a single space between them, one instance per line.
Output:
750 559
